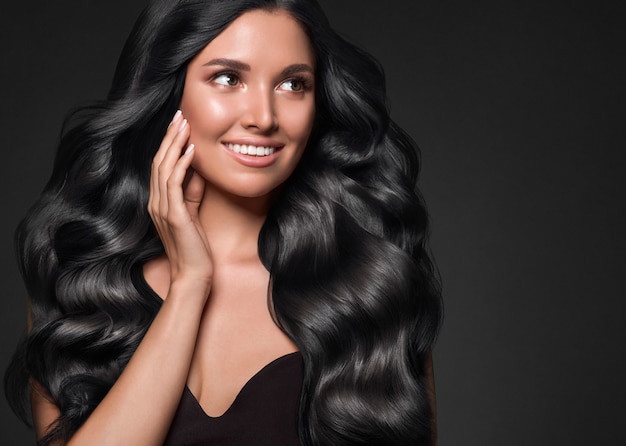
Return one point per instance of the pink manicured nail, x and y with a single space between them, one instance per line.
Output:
189 149
182 125
176 117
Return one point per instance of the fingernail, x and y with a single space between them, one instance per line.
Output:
176 117
182 125
189 149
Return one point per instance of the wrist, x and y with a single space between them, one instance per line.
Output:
189 287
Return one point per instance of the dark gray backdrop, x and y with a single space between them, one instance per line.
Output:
519 110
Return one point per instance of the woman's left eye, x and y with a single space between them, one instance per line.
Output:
227 79
295 85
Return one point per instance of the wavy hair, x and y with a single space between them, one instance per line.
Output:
352 282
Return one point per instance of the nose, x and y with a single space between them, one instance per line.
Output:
259 111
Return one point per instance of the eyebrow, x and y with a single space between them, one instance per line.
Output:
228 63
297 68
241 66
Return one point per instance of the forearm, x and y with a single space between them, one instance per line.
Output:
140 406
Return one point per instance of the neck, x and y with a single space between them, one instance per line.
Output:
232 224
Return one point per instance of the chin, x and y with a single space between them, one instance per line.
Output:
250 191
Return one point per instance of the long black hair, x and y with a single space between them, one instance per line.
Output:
352 282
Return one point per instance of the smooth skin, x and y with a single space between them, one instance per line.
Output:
254 85
214 330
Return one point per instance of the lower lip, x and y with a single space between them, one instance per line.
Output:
252 160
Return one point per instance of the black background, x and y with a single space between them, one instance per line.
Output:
519 110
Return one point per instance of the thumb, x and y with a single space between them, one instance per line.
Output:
193 189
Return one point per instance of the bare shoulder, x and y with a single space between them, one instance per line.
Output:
44 410
430 382
156 272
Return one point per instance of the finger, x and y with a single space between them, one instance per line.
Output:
175 195
153 197
170 134
171 154
175 118
193 191
175 149
169 161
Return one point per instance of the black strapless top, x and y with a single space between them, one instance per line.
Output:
265 412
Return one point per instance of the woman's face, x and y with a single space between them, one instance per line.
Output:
249 97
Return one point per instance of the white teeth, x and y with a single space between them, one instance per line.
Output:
250 150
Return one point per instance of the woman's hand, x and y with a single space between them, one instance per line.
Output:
131 412
176 192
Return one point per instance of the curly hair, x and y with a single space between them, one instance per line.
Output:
352 282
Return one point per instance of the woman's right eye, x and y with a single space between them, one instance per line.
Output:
226 79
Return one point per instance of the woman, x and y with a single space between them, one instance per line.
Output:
230 249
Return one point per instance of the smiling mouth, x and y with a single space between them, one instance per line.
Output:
250 150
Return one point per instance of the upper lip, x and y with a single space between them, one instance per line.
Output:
258 142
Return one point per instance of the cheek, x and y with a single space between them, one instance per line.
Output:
207 115
297 122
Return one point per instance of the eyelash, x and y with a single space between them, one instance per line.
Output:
225 73
302 80
306 83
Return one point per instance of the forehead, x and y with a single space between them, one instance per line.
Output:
264 37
